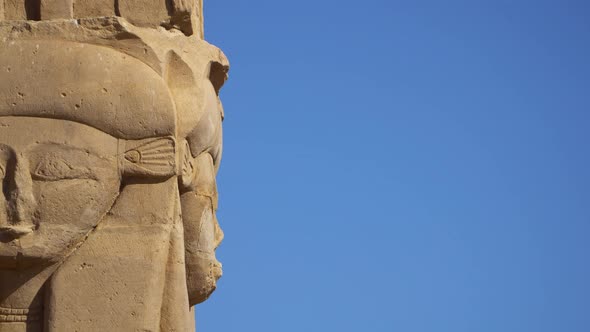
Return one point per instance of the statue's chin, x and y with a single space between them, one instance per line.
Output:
202 275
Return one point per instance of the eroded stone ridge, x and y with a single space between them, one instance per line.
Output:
185 15
110 142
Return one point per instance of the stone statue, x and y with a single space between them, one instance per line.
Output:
110 140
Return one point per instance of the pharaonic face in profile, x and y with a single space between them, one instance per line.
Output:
81 122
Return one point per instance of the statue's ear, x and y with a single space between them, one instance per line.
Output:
149 158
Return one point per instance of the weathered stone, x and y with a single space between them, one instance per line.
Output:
110 141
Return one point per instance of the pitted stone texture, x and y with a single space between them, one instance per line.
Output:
184 15
110 142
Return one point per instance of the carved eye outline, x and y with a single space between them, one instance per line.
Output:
52 168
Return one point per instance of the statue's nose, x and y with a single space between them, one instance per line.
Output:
17 190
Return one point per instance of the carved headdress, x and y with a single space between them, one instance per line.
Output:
137 82
144 75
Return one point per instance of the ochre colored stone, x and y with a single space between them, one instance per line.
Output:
110 141
56 9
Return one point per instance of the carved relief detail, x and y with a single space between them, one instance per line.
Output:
150 157
110 143
12 315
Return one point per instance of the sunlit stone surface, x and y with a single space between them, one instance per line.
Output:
110 140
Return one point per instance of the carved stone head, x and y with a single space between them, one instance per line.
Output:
110 141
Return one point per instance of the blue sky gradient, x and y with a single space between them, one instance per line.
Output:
407 166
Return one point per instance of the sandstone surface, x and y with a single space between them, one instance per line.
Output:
110 142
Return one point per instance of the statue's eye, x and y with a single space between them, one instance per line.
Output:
53 168
2 172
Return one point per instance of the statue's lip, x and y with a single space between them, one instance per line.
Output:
15 231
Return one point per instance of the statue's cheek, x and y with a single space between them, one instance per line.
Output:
76 204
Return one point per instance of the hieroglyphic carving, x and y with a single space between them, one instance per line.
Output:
110 141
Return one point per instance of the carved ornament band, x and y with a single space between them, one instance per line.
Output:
13 315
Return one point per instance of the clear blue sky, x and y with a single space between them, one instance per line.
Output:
411 166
